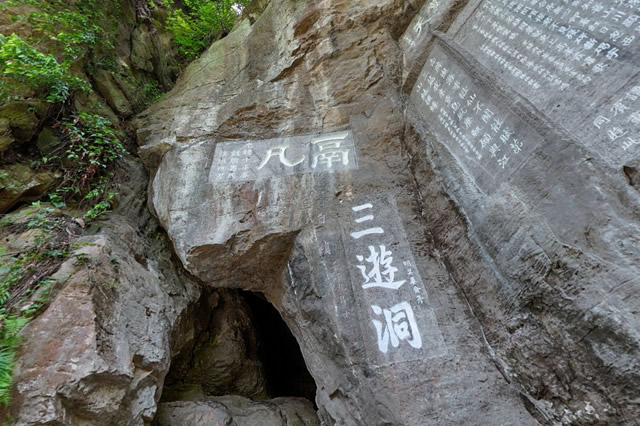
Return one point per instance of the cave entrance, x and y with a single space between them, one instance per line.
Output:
241 346
285 370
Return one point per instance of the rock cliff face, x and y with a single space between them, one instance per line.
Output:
440 198
423 201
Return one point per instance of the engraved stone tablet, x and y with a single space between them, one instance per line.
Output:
489 141
577 61
254 160
398 323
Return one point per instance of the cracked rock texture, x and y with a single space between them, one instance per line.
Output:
237 411
99 353
510 281
530 273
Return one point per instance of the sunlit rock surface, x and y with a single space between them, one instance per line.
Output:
492 171
440 198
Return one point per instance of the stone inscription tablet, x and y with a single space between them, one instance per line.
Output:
397 320
254 160
577 61
488 140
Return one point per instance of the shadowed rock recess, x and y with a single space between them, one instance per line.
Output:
438 198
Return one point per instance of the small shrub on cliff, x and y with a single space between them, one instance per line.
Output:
10 325
70 28
24 67
91 149
194 29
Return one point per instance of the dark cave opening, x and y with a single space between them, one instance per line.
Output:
240 346
284 367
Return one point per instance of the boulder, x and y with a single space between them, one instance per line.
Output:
47 141
19 183
19 122
99 352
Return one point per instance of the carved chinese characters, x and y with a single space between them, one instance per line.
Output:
617 127
490 141
254 160
577 61
398 322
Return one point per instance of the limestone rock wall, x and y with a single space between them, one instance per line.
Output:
439 197
120 309
533 140
475 152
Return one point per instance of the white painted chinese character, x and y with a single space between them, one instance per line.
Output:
485 140
360 234
629 143
471 100
399 324
493 150
630 21
506 135
613 53
382 273
503 161
602 47
590 44
330 150
516 146
420 23
487 114
615 35
618 108
635 117
497 125
615 133
279 151
600 121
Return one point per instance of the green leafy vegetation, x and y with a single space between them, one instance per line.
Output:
9 342
194 29
64 45
70 28
91 149
23 67
67 31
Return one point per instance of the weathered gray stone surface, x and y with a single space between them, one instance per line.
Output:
332 67
99 353
527 251
471 258
237 411
555 242
577 62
